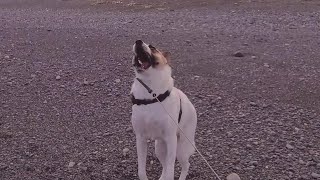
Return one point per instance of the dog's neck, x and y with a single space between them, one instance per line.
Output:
159 80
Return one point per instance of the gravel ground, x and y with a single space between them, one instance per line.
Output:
65 69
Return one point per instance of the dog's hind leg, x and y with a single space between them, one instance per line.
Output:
142 148
184 151
161 152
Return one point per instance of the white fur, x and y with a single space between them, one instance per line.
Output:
145 47
152 122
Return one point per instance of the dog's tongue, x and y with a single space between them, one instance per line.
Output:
145 65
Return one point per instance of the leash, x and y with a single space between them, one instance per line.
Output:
205 160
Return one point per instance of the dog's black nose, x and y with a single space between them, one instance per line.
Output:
139 42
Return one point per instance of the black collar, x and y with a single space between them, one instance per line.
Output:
161 98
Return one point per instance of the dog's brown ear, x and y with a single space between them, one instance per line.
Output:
167 55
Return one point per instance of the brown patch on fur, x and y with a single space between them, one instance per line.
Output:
167 55
160 57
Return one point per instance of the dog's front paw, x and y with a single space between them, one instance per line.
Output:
143 177
162 177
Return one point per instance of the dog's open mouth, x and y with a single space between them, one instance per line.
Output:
143 58
142 64
145 65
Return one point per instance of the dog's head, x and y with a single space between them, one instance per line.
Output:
147 57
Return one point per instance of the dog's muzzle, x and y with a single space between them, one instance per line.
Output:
143 58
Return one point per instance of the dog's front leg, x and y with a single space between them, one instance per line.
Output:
142 157
171 157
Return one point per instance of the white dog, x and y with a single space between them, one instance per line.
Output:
151 121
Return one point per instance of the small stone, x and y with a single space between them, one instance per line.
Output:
301 161
125 151
254 57
233 176
311 163
241 115
3 166
5 135
29 168
151 162
254 163
248 146
315 175
229 134
33 75
58 77
251 167
129 129
71 164
253 104
291 170
238 54
7 57
237 168
266 65
117 80
289 146
85 82
84 168
105 171
120 142
107 134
